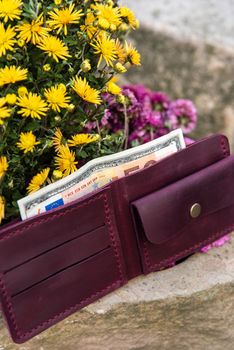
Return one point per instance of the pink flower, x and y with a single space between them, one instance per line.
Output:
220 242
182 114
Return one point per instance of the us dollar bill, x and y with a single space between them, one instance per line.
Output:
99 172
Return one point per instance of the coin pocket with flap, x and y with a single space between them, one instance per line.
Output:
177 219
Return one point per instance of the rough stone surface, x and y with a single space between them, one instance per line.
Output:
200 72
206 20
187 50
189 306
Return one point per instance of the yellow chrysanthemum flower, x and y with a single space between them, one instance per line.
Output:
33 32
27 142
85 91
132 54
3 166
32 105
108 14
2 208
65 161
56 98
4 111
12 74
127 14
59 19
10 9
38 181
89 27
6 39
57 139
55 48
106 48
83 139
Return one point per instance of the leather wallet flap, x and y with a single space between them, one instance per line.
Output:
168 211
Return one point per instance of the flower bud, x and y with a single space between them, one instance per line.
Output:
119 68
71 107
57 118
21 42
110 3
11 184
120 99
22 91
113 27
124 27
9 57
11 99
85 66
57 175
57 2
103 24
46 67
62 87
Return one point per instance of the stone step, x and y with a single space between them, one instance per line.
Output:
189 306
187 55
209 21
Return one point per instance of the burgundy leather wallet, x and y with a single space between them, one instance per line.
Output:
57 263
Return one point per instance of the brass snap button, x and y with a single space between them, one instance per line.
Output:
195 210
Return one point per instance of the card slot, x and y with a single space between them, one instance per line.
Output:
53 248
60 271
36 235
56 260
66 291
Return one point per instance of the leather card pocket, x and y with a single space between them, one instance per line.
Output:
57 263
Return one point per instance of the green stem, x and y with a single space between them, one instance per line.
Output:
126 127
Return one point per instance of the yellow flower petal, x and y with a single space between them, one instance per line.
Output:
82 139
55 48
85 91
65 161
32 105
27 142
38 181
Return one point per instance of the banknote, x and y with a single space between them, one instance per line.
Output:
98 173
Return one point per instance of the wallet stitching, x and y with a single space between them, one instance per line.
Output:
59 316
149 265
175 257
9 307
224 147
85 301
112 237
51 218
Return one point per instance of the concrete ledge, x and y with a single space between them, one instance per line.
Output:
189 306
